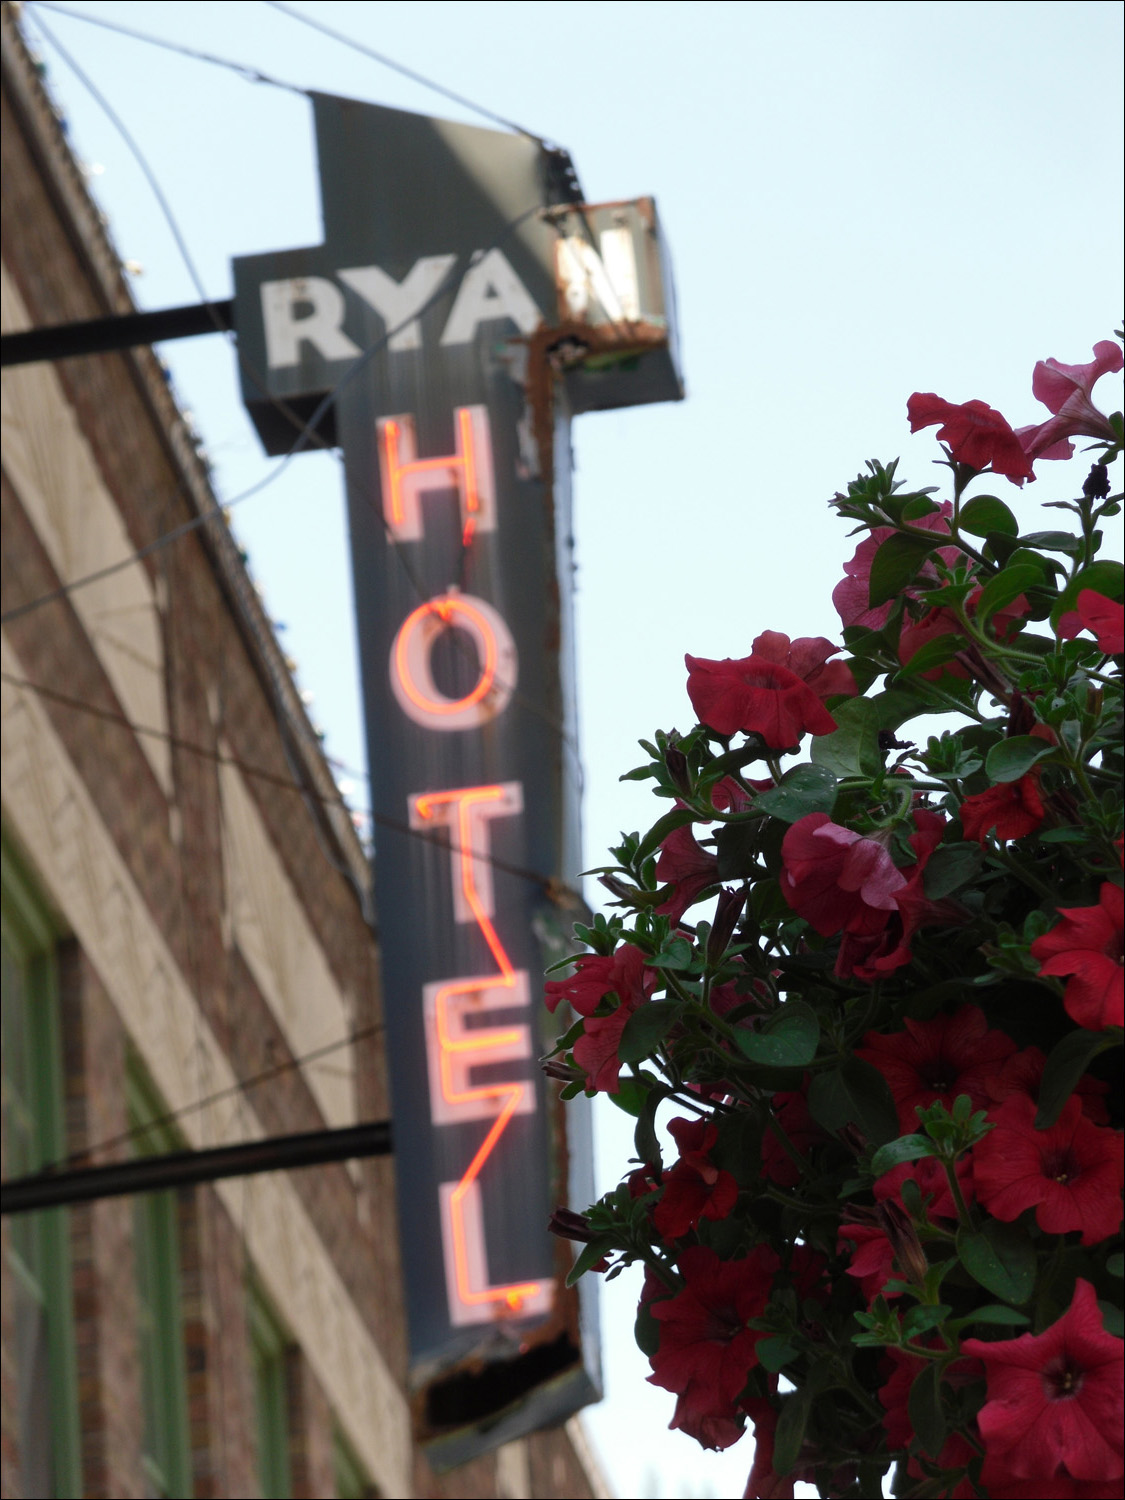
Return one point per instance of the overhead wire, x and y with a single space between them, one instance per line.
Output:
246 71
273 778
397 67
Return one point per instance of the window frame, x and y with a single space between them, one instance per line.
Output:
31 935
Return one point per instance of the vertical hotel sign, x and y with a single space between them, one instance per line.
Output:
462 307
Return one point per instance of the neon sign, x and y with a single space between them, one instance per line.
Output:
434 320
453 1050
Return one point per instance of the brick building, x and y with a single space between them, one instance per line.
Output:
184 906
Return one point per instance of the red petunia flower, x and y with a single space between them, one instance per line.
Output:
695 1188
1065 390
938 1059
1089 944
1023 1074
836 879
757 696
1054 1400
1011 811
706 1351
1071 1174
807 657
624 975
764 1483
688 868
1102 617
976 434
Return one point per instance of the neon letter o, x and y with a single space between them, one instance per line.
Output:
411 676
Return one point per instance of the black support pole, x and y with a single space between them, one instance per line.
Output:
149 1174
123 331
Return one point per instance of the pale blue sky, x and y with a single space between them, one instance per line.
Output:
861 200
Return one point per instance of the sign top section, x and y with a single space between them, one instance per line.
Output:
447 237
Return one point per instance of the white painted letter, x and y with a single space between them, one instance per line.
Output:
490 289
397 303
321 327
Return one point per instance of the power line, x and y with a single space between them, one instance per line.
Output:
273 778
357 366
397 67
244 70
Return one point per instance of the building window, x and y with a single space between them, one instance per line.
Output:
268 1345
160 1329
39 1246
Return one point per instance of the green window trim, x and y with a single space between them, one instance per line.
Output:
269 1345
160 1324
39 1257
351 1481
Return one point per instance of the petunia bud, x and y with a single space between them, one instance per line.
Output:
676 762
1096 486
560 1071
898 1226
728 909
568 1225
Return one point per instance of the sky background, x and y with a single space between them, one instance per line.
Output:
860 200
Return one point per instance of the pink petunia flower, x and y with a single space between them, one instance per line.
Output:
1065 390
1054 1400
836 879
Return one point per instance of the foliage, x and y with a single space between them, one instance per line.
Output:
888 1037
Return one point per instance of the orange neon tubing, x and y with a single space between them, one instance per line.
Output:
465 460
512 1093
445 609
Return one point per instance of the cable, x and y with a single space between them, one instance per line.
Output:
357 366
389 62
550 886
244 70
241 1087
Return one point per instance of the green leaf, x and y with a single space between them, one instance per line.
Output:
629 1095
678 954
1066 1064
1011 759
645 1139
855 1093
854 748
997 1314
933 654
897 563
775 1352
949 868
790 1433
646 1028
1054 541
1113 1319
1007 585
893 708
736 844
924 1409
921 1319
1001 1258
985 513
787 1040
589 1258
803 790
894 1153
661 829
646 1330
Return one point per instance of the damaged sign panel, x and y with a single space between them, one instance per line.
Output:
464 304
